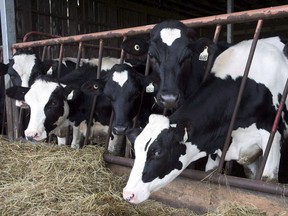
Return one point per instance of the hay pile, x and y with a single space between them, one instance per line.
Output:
41 179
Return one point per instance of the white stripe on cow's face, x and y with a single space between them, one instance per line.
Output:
23 65
120 77
37 97
169 35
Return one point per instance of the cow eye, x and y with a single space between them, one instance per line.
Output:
53 103
137 47
95 86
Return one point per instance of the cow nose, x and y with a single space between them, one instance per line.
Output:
169 101
31 135
128 196
119 130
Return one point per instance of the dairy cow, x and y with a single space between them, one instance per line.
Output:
123 85
180 60
58 103
167 146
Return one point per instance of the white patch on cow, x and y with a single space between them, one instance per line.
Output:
269 65
248 142
23 65
169 35
107 62
120 77
212 164
37 97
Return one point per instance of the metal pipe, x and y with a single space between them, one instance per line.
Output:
211 57
78 55
240 93
230 9
243 183
43 53
95 97
60 60
273 131
237 17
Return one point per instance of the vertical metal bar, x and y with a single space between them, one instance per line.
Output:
49 52
240 93
43 53
60 60
95 97
7 12
211 57
79 54
230 9
273 131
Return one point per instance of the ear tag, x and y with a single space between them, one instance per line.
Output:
70 96
185 138
150 88
204 55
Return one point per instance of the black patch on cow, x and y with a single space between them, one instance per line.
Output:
54 109
163 155
17 92
210 109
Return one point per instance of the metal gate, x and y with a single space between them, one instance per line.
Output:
259 16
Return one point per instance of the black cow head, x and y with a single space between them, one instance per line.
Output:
123 86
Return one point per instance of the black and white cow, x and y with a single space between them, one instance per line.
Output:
25 66
58 103
180 60
167 146
123 85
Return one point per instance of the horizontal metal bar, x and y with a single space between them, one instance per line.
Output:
237 17
249 184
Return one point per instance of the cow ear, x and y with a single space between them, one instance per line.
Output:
3 69
136 46
132 134
94 87
17 92
70 93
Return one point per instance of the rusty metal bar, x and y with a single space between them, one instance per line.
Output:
95 97
240 93
43 53
243 183
211 57
237 17
273 131
79 55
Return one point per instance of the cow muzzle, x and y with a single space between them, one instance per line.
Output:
34 136
119 130
169 101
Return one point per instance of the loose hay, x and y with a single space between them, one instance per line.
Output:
41 179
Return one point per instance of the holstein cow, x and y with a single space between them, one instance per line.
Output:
55 104
167 146
123 85
180 60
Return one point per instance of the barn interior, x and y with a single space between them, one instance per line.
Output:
76 17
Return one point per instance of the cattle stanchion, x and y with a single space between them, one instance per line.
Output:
240 93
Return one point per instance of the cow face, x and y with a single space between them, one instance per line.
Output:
161 153
170 52
48 107
123 86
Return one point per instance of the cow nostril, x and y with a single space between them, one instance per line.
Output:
169 100
29 138
130 197
119 130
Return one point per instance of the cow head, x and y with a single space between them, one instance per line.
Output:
123 86
161 154
170 51
48 108
23 69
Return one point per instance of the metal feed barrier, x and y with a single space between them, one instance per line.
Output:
258 15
